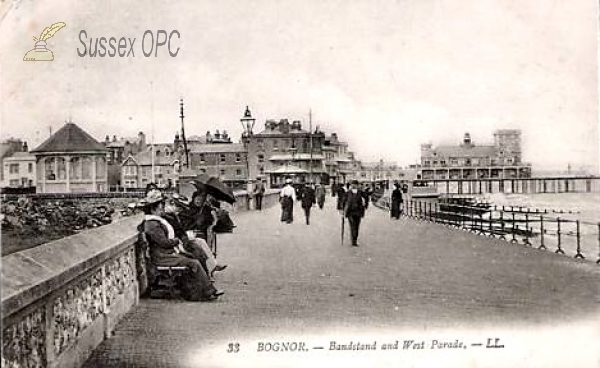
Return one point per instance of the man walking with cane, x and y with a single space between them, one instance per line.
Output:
354 210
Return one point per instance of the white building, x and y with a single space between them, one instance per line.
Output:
19 170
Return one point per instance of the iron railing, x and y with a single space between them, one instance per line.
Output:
544 229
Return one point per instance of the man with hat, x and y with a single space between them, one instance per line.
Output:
259 191
166 250
287 197
307 199
354 210
395 209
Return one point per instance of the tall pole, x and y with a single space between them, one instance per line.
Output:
311 144
187 161
152 118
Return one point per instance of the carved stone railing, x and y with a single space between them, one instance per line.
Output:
61 299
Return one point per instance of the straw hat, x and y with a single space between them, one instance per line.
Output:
153 196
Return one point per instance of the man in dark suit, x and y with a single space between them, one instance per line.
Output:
354 210
308 199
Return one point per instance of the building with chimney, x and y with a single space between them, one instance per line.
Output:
118 150
19 170
283 149
468 160
71 161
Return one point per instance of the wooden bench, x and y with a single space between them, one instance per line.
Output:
152 278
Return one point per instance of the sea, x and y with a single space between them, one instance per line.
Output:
570 207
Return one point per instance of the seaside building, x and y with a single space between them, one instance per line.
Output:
213 154
283 149
118 150
19 170
7 148
502 160
71 161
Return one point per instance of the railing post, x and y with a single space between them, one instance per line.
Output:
559 250
578 255
502 236
514 228
542 231
490 224
527 230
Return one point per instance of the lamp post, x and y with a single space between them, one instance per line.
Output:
247 122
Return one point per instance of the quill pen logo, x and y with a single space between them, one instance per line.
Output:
40 52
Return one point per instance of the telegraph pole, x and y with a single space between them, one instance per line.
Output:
310 175
187 160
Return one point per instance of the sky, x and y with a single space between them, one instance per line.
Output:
386 75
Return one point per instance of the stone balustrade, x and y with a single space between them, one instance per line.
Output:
61 299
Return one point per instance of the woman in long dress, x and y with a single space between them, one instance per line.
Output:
287 197
396 202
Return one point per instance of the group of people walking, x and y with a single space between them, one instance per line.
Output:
177 230
351 202
308 195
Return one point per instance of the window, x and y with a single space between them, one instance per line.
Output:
238 172
13 168
75 169
86 168
14 182
261 158
222 157
202 157
223 172
30 168
61 168
100 167
203 171
238 157
262 170
275 143
49 169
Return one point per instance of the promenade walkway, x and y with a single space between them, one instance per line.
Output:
408 280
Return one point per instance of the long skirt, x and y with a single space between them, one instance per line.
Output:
287 209
395 210
201 251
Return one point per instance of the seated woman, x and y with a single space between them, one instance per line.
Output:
165 250
201 217
196 247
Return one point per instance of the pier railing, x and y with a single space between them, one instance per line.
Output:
560 232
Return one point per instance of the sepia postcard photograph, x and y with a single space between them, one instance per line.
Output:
318 183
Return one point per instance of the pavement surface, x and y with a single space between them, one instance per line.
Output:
296 289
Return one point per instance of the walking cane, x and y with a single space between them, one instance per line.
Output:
343 222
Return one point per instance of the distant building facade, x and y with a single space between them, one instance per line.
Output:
71 161
284 149
19 170
7 148
119 150
503 160
213 154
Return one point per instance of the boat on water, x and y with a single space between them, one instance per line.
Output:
423 189
464 204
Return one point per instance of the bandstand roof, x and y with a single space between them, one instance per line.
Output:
70 138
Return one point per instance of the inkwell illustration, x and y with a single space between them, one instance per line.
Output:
40 52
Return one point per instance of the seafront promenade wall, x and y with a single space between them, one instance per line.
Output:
61 299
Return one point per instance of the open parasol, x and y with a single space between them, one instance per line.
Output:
214 187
